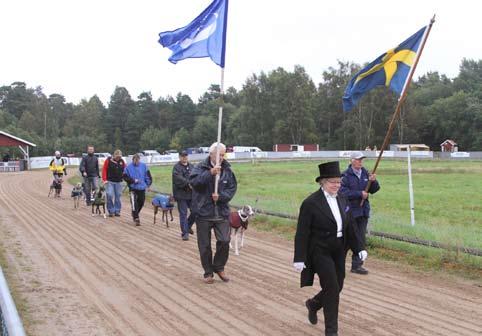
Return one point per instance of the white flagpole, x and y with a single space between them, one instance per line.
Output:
220 122
410 187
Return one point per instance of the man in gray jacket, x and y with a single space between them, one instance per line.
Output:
182 192
89 168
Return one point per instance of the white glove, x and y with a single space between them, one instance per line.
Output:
363 255
299 266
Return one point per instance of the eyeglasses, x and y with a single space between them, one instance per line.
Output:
333 182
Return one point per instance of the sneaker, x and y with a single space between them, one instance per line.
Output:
185 237
209 280
359 270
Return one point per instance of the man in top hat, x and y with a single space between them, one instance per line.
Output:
353 184
325 229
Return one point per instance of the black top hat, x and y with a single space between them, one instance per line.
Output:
329 169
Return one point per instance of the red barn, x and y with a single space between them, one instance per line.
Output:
8 140
296 148
449 146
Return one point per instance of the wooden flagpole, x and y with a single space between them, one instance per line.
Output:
402 98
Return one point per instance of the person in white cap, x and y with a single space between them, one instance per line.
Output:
57 166
353 184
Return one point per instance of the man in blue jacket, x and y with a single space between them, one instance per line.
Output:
353 184
138 178
212 210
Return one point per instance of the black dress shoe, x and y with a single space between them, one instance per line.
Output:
191 231
359 270
312 317
331 334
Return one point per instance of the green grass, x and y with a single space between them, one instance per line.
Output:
448 205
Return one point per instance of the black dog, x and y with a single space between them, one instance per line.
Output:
56 188
99 201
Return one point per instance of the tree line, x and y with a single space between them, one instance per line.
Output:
278 106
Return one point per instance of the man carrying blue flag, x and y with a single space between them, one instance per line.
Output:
205 36
390 69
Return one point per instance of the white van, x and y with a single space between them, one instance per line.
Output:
242 149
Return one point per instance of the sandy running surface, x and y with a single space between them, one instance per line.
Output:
83 275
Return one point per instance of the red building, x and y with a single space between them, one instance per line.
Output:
296 148
8 140
449 146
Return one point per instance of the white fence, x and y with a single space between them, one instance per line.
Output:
43 161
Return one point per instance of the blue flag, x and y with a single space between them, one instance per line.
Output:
205 36
390 69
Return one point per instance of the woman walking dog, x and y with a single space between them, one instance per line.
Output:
325 229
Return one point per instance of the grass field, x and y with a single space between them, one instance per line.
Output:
448 201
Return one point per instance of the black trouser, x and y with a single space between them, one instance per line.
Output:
360 232
222 230
138 198
329 264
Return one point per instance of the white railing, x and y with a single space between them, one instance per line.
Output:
11 323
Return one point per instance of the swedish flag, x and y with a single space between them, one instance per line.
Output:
390 69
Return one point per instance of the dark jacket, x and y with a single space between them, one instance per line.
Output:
203 187
180 181
317 229
113 170
140 173
89 165
352 187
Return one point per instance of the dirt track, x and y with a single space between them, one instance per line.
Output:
81 275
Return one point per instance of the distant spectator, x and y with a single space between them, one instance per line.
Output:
6 157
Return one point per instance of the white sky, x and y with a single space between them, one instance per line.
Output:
82 48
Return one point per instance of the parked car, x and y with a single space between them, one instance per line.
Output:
204 149
150 152
100 155
194 150
170 151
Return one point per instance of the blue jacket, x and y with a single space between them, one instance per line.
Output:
140 173
352 187
203 187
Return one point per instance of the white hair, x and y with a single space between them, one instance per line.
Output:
214 146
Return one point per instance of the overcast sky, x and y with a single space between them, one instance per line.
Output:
82 48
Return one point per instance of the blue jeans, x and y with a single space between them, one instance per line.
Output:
114 193
183 206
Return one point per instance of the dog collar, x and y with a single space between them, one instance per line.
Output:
243 218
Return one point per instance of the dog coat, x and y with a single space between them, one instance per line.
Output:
236 221
76 192
162 201
99 198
